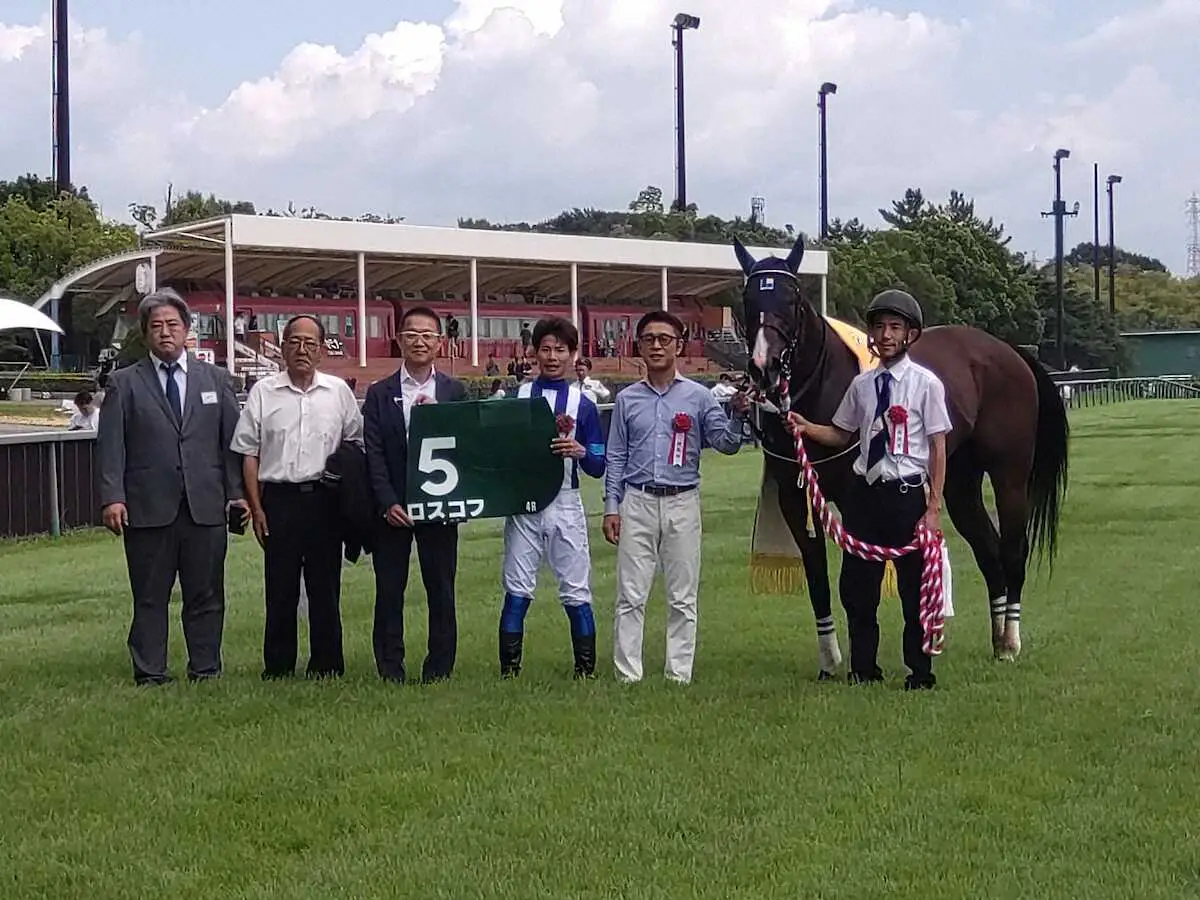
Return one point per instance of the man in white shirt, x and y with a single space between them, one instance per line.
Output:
592 388
899 414
86 416
290 426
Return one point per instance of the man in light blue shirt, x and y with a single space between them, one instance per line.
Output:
652 501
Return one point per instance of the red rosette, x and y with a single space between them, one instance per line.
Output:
682 423
898 415
564 424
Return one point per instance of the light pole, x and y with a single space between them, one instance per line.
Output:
824 91
1059 212
1112 249
1096 233
683 21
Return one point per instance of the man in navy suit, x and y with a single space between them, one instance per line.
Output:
386 415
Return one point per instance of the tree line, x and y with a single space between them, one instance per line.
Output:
958 263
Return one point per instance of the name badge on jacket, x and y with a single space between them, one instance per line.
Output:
208 398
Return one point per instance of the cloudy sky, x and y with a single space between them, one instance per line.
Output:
515 109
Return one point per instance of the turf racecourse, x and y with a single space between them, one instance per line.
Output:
1072 773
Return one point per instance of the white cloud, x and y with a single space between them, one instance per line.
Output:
515 109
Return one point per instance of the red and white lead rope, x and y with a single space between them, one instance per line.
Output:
933 619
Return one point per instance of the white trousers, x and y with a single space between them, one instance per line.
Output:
654 531
559 535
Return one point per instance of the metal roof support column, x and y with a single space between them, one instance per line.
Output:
474 312
153 274
575 295
230 338
824 295
664 288
362 309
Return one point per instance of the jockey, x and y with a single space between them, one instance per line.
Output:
898 413
559 533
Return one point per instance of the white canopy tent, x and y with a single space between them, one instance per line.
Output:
282 254
17 315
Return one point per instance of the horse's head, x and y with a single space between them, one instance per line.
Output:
775 317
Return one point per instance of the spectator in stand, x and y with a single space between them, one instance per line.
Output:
497 390
526 337
87 414
591 387
724 390
452 331
492 369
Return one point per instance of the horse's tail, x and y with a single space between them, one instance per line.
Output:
1048 478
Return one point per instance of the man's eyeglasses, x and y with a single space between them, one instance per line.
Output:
657 340
423 337
307 344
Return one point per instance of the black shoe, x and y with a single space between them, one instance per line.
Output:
584 648
875 677
278 676
433 678
154 680
924 683
511 644
195 678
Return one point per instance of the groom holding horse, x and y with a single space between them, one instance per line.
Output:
899 414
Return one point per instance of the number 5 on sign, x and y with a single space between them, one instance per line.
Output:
431 465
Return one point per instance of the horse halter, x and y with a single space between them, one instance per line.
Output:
790 341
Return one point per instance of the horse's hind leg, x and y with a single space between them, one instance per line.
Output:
964 503
1012 509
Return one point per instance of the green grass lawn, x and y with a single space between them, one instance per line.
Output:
1072 773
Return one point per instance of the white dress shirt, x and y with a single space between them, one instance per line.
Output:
180 376
923 397
80 422
413 392
293 432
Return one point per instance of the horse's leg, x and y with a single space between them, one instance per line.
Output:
964 503
1012 509
816 574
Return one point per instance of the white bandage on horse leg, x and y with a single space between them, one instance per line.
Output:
829 654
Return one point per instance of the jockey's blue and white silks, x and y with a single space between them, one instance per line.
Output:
559 533
565 398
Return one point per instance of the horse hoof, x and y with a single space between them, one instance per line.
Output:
824 676
1006 654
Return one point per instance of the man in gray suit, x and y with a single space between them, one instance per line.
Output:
167 479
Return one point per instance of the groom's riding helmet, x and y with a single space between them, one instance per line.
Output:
901 303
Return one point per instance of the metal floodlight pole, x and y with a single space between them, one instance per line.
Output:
62 98
682 23
1096 232
1112 249
1059 212
823 176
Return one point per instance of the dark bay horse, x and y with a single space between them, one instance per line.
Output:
1009 424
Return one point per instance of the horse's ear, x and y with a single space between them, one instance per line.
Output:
745 260
794 258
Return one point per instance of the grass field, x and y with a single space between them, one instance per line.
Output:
1072 773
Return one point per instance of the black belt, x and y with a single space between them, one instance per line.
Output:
664 490
297 487
903 485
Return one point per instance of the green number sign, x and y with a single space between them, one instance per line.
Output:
479 460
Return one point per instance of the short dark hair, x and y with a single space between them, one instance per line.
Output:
83 398
659 315
556 326
584 361
420 311
164 297
287 329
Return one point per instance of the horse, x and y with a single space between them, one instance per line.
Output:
1009 423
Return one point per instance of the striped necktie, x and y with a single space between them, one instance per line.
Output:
877 448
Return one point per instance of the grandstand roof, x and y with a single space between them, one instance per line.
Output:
289 254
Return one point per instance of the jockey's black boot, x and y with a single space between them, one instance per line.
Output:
510 653
585 655
512 634
583 639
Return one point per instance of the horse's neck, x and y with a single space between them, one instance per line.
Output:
820 394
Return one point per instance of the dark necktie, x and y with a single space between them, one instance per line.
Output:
877 448
173 399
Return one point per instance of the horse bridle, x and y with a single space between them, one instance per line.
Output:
790 342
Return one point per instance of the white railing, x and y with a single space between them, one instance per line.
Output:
1102 391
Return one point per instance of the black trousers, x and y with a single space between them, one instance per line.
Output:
437 552
302 543
885 514
155 557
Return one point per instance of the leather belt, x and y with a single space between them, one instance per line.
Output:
664 490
